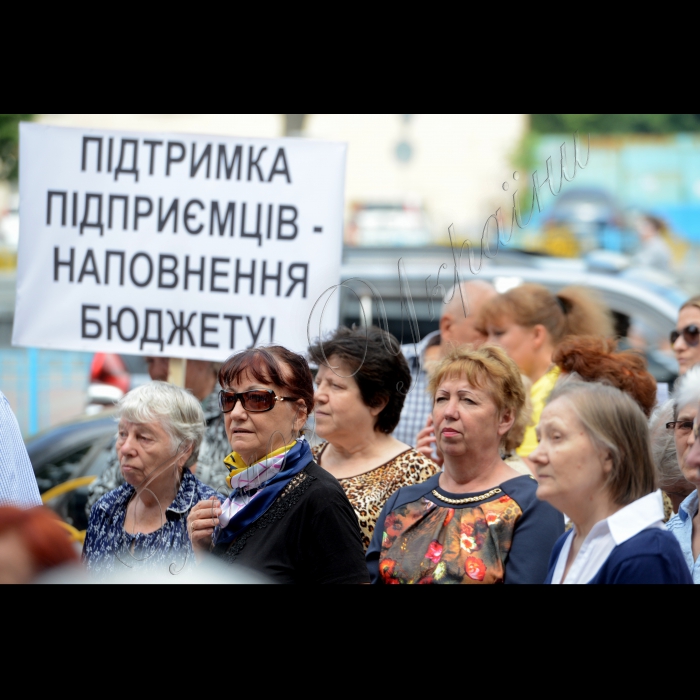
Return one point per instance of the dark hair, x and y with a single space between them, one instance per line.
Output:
594 359
379 367
268 365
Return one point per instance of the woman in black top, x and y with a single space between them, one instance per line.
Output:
285 516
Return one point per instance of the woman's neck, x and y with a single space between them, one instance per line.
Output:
584 519
349 448
540 365
474 472
160 493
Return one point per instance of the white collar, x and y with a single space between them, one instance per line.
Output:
636 516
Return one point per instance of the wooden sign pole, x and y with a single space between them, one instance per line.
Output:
176 371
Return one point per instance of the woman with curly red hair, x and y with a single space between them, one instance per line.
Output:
595 359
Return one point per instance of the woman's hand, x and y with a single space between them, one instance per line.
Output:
426 443
201 521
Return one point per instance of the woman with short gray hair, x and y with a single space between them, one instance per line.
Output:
143 523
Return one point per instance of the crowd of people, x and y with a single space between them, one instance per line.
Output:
515 444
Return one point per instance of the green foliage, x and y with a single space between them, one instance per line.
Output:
614 123
9 144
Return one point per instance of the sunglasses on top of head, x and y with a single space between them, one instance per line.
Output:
254 401
691 335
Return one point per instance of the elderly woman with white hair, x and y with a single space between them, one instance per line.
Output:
143 523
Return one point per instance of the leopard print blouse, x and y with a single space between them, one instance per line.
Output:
369 492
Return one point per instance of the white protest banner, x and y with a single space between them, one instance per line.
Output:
175 245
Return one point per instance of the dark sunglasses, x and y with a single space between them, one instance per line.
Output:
254 401
691 335
682 426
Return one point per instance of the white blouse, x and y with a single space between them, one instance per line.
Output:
646 512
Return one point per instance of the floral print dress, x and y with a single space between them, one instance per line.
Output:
501 535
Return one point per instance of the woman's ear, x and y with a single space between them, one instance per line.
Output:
301 415
506 422
376 410
539 335
607 462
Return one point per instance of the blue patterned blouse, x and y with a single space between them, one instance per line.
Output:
109 548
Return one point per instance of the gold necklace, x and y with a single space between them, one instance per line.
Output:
469 499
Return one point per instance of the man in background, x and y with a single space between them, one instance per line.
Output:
457 327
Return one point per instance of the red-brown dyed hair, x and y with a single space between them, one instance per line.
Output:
595 359
41 531
272 365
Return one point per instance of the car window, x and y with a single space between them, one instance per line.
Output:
60 469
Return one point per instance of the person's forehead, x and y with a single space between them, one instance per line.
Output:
559 410
689 411
455 382
687 316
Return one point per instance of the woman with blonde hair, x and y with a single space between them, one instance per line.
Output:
594 463
478 521
529 322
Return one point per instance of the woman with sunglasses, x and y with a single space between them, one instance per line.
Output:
685 338
285 516
685 525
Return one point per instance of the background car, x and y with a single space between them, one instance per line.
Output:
67 458
645 305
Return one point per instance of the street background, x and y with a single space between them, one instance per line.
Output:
409 178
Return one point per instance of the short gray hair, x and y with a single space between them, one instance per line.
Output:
176 409
686 390
663 447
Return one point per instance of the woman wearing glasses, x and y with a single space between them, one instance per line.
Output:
686 524
285 516
685 338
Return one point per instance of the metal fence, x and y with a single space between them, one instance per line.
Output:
44 387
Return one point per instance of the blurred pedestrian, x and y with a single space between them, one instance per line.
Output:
360 385
201 380
594 463
32 541
286 517
457 327
685 337
478 521
17 481
529 322
142 523
654 251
